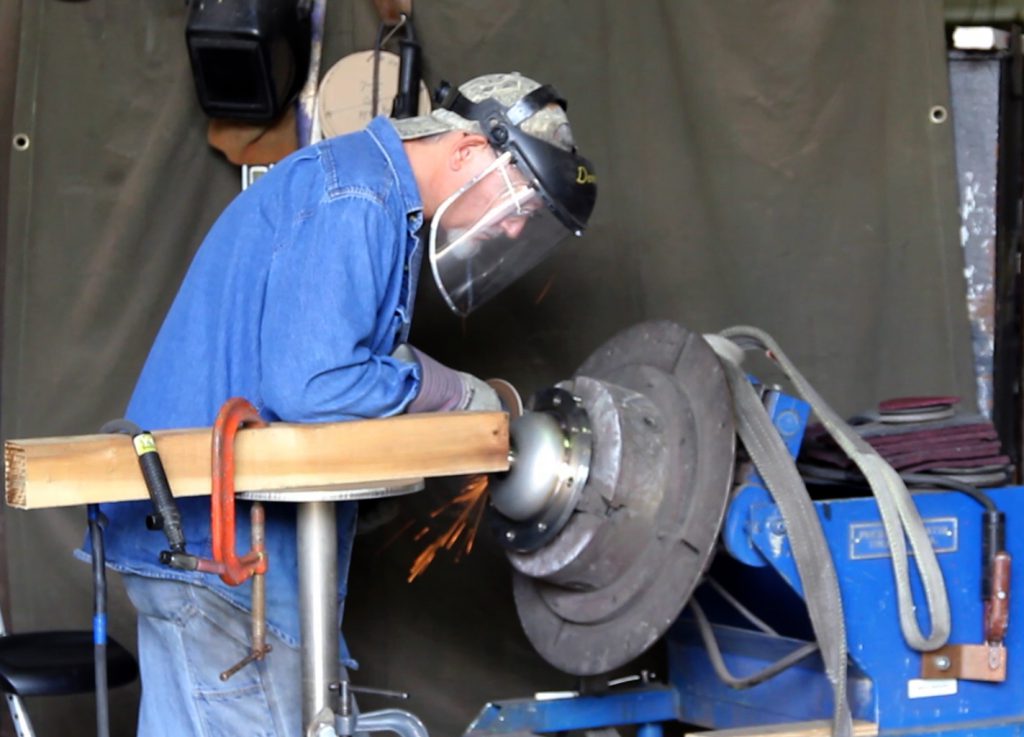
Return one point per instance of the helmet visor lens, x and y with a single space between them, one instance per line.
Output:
488 234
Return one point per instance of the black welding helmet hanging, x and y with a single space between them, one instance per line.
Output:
250 58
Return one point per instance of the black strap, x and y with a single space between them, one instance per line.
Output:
516 114
534 102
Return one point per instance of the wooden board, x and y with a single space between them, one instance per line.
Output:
821 728
85 469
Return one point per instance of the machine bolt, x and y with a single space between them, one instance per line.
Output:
942 662
777 527
787 422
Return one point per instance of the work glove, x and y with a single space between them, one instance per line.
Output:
443 389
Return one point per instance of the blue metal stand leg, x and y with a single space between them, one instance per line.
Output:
650 730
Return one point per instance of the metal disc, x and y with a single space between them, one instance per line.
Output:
337 493
509 396
546 480
674 471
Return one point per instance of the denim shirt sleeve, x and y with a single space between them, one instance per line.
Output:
323 346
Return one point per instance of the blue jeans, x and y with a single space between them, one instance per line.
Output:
187 637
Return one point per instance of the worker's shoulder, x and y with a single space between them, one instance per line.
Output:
359 165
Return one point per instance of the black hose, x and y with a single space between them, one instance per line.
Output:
165 515
739 607
122 427
945 482
99 599
99 620
840 476
718 663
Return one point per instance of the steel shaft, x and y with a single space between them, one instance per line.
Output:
318 614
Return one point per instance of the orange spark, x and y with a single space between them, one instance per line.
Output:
544 291
472 533
470 502
394 538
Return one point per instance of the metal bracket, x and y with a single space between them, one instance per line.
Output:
966 662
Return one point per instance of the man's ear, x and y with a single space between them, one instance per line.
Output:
465 149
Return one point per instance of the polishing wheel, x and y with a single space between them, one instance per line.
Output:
618 484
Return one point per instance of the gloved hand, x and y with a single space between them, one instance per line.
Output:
478 396
443 389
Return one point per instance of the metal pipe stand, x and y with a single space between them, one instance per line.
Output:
320 629
318 612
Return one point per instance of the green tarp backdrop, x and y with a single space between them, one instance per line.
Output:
770 163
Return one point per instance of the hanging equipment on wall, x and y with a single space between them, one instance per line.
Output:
249 57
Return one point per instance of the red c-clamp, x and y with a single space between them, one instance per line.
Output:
232 569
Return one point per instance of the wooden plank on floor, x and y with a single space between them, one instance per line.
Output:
86 469
818 728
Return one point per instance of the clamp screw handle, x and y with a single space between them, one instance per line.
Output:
345 689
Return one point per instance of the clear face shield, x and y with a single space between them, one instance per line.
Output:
488 234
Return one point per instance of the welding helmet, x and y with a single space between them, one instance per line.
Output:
536 193
249 58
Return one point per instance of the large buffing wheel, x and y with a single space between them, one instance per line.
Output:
648 486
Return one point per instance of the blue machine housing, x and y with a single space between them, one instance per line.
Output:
884 673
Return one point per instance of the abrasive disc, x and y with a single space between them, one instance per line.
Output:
646 525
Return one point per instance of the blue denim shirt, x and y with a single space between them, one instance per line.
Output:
295 300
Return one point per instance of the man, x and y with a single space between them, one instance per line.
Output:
300 300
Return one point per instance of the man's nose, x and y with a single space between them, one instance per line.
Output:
513 226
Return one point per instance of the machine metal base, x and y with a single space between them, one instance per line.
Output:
888 694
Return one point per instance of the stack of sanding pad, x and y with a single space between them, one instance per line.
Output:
920 435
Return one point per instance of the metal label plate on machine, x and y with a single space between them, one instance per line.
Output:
867 539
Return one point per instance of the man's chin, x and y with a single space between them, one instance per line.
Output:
463 246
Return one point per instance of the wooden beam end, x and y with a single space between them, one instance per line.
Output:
14 474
